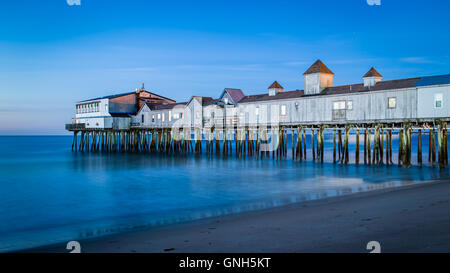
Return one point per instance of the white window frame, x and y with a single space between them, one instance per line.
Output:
439 97
339 105
170 115
283 110
390 99
349 105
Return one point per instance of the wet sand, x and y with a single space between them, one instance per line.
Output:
413 218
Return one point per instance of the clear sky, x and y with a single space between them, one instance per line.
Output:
53 54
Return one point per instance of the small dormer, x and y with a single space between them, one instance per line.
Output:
275 88
317 78
372 77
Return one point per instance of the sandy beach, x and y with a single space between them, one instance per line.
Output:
413 218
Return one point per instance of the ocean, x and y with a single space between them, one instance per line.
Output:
50 194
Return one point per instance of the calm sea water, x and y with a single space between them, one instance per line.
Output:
49 194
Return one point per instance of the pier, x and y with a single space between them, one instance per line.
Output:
267 142
377 113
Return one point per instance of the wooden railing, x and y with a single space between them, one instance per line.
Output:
75 126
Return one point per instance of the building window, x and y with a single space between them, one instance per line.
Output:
153 118
163 117
159 116
438 98
142 118
170 115
392 103
257 113
283 110
339 110
349 105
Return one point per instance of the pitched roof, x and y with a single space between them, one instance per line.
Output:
347 89
235 94
110 96
433 80
372 73
127 93
279 96
162 97
383 85
210 102
318 67
275 84
153 106
206 100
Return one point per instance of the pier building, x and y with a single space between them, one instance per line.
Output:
373 106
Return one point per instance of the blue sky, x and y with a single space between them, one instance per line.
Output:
53 54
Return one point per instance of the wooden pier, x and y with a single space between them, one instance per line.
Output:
272 142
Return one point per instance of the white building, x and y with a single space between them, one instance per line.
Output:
320 102
114 111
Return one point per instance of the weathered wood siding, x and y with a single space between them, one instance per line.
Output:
426 97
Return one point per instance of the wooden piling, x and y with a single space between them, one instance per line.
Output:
334 145
419 148
313 145
368 146
357 147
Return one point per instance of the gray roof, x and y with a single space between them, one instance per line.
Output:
433 80
164 106
235 94
278 96
355 88
109 97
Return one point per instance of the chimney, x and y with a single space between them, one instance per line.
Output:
372 77
275 88
317 78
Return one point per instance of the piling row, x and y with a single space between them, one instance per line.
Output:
266 142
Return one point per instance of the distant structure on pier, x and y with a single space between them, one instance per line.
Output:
114 111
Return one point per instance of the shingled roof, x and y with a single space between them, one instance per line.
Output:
206 100
383 85
164 106
318 67
235 94
372 73
110 96
343 89
276 85
279 96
